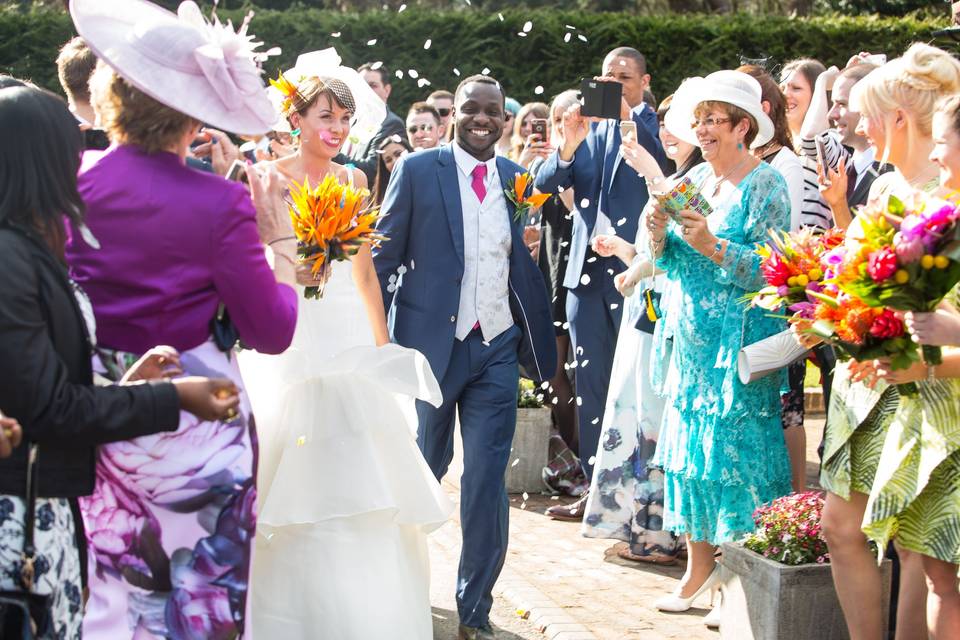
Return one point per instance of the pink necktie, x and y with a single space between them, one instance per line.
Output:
479 175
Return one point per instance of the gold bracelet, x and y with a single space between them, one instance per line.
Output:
931 373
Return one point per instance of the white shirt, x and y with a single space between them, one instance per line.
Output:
485 288
863 161
790 167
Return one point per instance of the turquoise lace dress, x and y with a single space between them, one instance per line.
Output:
721 443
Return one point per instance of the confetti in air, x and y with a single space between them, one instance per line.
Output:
426 45
566 37
585 279
413 73
370 43
538 90
376 65
335 34
486 71
585 203
527 26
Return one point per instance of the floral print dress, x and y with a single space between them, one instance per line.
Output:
171 521
721 444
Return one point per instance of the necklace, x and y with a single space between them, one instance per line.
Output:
719 179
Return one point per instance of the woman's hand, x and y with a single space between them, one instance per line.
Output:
913 373
657 223
208 398
800 331
607 245
639 159
534 148
627 281
306 278
158 363
835 192
11 435
273 217
940 327
220 150
696 232
864 371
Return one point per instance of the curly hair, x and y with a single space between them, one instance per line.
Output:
130 116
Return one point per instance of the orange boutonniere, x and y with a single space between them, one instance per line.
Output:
331 222
523 200
287 89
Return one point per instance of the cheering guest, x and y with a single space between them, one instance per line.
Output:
523 126
609 196
423 126
389 151
442 101
896 104
176 257
721 447
364 157
626 498
46 329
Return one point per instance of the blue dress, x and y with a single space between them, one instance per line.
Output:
721 444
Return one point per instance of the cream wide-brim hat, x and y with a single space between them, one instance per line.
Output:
204 70
733 87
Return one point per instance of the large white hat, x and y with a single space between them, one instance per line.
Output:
370 109
733 87
205 70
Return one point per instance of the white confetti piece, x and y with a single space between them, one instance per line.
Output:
335 34
561 189
621 222
521 34
580 404
554 497
426 45
391 288
423 82
579 351
555 400
412 265
370 43
526 496
585 203
567 36
376 65
402 8
571 27
538 90
557 323
623 63
592 460
515 462
582 37
500 15
399 73
456 72
523 505
584 363
486 71
592 259
574 364
547 383
595 421
610 271
585 279
401 270
565 325
392 279
413 73
614 306
527 26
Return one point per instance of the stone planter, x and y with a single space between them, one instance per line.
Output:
529 455
765 600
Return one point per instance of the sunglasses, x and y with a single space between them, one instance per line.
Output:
444 112
419 127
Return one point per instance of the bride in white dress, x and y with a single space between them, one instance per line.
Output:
345 497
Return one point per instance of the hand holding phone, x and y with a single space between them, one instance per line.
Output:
539 127
628 129
822 160
237 171
601 98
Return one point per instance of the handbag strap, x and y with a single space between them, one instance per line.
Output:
27 572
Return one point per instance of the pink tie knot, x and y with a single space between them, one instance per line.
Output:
479 176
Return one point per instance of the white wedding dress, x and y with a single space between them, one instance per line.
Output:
345 497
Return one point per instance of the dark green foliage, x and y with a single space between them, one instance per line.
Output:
676 46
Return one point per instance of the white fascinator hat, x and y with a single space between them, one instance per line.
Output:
733 87
203 69
326 63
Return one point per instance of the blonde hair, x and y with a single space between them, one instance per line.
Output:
913 83
129 116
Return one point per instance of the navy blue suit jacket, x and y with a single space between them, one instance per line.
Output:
423 221
601 179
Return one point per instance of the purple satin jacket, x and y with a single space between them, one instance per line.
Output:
174 242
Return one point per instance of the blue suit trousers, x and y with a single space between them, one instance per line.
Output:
480 384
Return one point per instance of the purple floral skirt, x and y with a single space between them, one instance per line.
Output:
171 521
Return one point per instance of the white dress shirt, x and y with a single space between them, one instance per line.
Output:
487 242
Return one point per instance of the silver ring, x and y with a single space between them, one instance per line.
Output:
685 230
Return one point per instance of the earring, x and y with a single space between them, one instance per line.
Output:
295 132
739 146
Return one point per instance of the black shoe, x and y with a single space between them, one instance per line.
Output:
475 633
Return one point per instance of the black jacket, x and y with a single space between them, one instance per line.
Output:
366 157
46 377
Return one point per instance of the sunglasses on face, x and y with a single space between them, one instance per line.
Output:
444 112
412 129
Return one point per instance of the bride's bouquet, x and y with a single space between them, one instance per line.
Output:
331 221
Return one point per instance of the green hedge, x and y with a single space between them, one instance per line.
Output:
676 46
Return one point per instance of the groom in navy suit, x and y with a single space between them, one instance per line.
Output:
465 292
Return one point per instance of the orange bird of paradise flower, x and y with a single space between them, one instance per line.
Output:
287 88
523 201
331 223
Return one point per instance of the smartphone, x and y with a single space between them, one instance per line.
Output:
237 172
822 160
628 128
539 127
600 99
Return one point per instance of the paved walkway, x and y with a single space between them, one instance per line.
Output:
568 586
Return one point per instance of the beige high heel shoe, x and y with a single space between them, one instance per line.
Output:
675 604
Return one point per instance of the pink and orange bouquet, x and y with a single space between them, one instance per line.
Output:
790 264
331 222
907 260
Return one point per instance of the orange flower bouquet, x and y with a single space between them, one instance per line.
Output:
522 196
331 222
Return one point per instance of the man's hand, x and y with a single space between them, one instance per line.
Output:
574 131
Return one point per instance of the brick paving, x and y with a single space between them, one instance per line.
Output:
570 587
